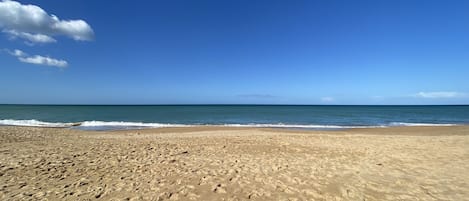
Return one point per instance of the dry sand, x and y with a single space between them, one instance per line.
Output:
418 163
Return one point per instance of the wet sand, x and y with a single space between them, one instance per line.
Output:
217 163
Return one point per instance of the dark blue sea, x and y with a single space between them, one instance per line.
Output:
103 117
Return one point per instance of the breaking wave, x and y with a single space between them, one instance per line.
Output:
104 125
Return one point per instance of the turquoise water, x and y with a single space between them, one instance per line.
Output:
295 116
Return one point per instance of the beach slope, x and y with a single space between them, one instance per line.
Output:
210 163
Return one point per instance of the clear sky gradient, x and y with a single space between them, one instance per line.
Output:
243 52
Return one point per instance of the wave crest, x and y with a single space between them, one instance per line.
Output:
418 124
35 123
128 124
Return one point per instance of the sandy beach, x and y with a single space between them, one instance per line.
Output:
213 163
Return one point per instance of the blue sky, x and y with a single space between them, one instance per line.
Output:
262 52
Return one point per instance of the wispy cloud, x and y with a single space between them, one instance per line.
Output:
38 59
327 99
41 60
440 94
17 53
32 23
34 38
256 96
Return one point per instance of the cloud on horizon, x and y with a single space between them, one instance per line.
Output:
440 94
256 96
327 99
35 25
38 59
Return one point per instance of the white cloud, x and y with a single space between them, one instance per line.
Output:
38 59
256 96
17 53
327 99
35 38
41 60
32 23
440 94
377 97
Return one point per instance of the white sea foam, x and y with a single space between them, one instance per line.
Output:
128 124
123 124
418 124
311 126
35 123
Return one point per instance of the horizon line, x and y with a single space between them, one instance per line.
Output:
228 104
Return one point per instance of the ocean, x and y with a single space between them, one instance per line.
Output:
105 117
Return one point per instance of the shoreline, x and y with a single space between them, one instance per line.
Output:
125 125
397 130
216 163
